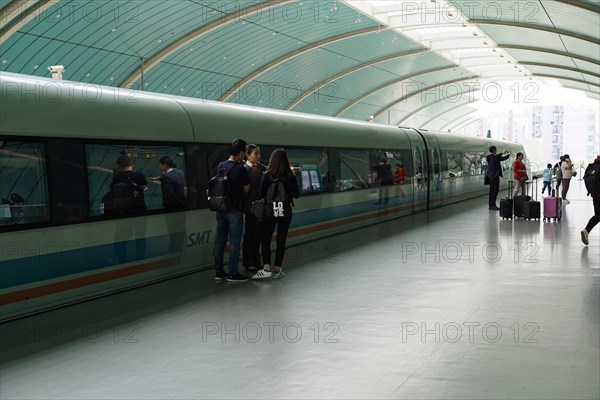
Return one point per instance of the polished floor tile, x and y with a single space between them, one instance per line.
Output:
451 304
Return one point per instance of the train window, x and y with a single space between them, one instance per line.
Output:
400 165
473 162
453 165
356 170
23 183
102 165
314 173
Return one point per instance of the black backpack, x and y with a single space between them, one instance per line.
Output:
592 178
125 194
219 190
278 203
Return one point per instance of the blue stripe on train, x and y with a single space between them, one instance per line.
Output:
349 210
74 261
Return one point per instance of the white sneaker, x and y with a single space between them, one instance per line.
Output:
566 201
278 275
584 237
262 274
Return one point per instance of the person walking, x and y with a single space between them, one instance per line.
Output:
279 187
558 174
593 176
494 172
547 176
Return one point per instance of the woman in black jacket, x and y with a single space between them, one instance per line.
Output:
251 243
278 186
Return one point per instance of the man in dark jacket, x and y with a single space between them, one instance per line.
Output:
172 183
494 172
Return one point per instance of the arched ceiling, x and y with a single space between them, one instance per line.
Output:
420 63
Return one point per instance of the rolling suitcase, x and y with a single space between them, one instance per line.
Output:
532 209
519 204
506 204
552 208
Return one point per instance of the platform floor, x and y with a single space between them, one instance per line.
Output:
450 304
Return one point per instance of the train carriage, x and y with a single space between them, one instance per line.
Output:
58 146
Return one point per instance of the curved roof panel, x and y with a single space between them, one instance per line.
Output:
340 58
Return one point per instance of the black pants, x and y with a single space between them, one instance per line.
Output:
252 239
268 227
494 189
596 218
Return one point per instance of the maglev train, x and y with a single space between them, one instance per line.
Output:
59 144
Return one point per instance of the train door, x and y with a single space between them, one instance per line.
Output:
435 169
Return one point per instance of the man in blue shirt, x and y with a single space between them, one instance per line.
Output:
494 172
231 223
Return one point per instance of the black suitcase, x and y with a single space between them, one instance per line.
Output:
519 203
506 204
532 209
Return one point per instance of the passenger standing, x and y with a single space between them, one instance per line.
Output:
251 242
595 193
128 188
385 178
567 173
230 224
520 174
172 183
494 172
279 175
547 176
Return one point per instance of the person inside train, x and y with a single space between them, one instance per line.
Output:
494 172
520 174
385 177
172 184
278 183
230 224
251 244
399 174
128 188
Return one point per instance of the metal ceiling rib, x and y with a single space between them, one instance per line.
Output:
404 57
461 122
439 123
389 90
340 57
353 87
289 56
220 18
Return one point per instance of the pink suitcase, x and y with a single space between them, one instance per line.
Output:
552 208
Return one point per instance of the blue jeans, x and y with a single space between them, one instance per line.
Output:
547 184
230 223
